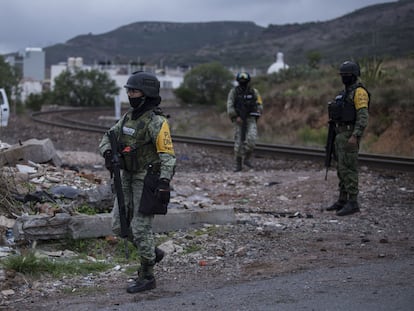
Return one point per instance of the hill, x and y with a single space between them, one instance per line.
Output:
152 42
381 30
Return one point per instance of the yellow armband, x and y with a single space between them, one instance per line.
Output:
361 98
164 141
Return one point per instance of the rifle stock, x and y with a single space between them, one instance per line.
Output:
116 172
330 147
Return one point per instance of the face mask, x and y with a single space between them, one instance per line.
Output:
348 80
243 83
136 102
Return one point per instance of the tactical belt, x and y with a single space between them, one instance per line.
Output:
342 127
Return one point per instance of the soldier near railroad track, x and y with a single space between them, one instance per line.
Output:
244 107
349 115
147 161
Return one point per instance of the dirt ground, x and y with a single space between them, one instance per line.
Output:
281 226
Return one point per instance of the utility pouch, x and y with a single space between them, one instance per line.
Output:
129 159
252 107
335 108
150 204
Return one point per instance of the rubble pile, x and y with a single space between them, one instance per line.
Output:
31 188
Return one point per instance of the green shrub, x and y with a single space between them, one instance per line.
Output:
310 136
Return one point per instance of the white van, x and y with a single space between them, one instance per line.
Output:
4 108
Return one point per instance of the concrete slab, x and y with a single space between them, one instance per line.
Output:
38 151
177 219
45 227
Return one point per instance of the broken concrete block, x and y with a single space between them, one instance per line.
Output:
62 225
42 227
38 151
87 226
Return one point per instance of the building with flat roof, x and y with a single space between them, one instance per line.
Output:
34 60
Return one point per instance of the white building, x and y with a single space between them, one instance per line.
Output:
169 78
30 86
278 65
34 64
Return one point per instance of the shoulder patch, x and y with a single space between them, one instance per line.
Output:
361 98
164 141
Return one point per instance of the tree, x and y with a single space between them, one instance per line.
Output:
9 79
206 84
87 88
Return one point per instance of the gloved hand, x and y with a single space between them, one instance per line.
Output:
163 191
108 160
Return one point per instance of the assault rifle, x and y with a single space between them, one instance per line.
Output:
116 174
330 146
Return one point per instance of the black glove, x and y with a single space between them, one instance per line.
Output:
108 160
163 191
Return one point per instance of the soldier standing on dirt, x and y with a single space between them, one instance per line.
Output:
148 162
349 112
244 107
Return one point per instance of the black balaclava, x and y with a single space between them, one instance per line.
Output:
143 104
136 102
243 84
348 80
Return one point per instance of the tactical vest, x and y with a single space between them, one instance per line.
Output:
136 146
245 101
342 109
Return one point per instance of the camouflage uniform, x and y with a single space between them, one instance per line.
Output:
347 155
236 99
350 114
151 136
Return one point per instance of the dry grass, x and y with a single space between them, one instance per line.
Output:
8 205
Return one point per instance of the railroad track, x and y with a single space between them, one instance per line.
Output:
67 119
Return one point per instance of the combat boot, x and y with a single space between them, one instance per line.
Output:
336 206
247 161
350 207
238 166
343 197
159 254
146 279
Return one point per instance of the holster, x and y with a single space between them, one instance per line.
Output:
150 204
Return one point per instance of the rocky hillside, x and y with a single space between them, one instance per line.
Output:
381 30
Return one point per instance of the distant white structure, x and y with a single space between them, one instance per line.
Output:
169 78
34 64
71 64
278 65
30 86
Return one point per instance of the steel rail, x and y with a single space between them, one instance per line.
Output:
388 162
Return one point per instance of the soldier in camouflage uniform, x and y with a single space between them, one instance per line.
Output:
349 112
148 164
244 107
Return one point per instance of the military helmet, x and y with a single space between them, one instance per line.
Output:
349 67
243 76
146 82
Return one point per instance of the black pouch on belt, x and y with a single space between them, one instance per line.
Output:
150 204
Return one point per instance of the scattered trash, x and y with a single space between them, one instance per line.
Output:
65 192
9 237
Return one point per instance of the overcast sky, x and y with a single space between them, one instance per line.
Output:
40 23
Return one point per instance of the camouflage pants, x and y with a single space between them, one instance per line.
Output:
347 165
141 232
246 145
